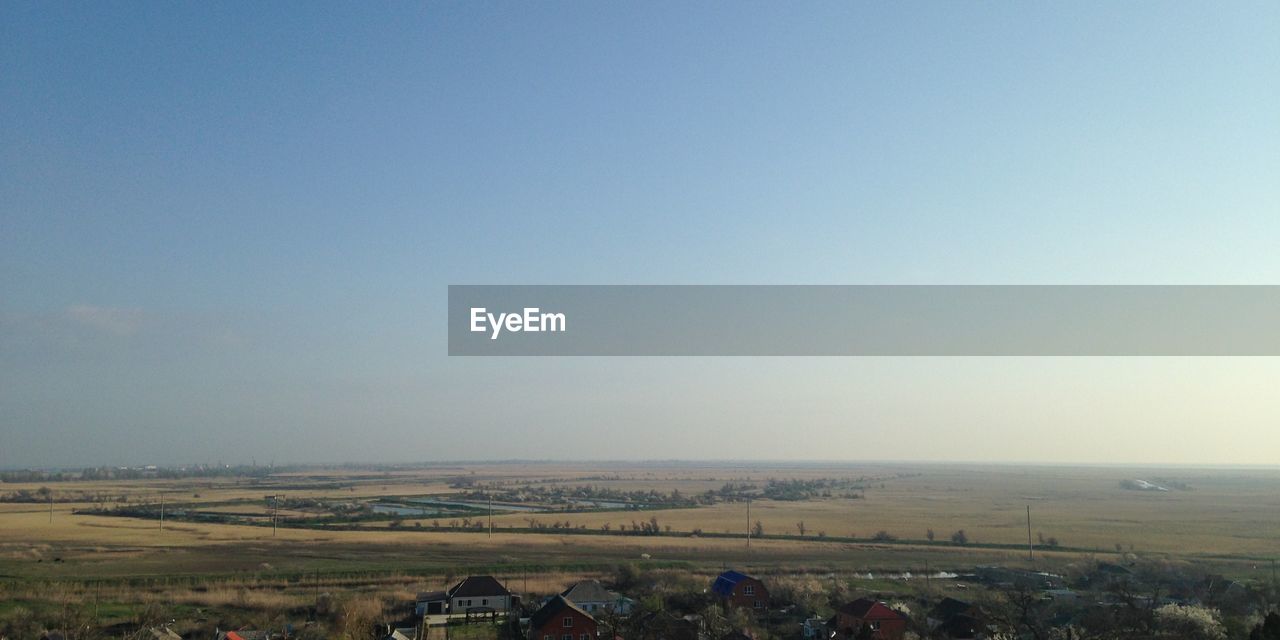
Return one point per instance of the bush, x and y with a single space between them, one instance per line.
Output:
1189 623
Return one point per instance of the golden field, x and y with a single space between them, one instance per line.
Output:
1228 516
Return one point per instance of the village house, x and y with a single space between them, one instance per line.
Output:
661 625
947 609
883 622
741 590
560 619
592 597
474 595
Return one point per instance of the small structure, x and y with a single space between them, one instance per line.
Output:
814 629
741 590
592 597
431 603
875 616
560 619
163 633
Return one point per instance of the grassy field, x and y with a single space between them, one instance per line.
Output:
1227 517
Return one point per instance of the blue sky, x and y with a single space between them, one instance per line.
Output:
228 228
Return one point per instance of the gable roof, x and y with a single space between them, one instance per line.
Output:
475 586
553 608
868 609
589 591
949 607
726 581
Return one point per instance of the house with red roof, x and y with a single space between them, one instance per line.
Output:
874 616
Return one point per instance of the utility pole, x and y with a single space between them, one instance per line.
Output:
275 511
490 517
748 523
51 506
1031 547
162 511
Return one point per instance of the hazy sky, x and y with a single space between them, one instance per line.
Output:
226 229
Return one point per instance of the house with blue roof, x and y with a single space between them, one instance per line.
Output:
741 590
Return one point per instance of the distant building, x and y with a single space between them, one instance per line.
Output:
741 590
661 625
592 597
475 594
947 609
245 634
560 619
873 615
962 626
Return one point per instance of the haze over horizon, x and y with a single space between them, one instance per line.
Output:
227 234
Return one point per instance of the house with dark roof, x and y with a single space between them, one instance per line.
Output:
661 625
962 626
875 616
740 590
947 609
479 594
560 619
592 597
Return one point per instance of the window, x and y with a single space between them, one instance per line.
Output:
583 637
757 604
484 601
547 637
875 626
749 590
568 622
567 636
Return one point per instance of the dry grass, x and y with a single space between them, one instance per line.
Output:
1231 512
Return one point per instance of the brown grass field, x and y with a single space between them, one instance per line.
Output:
1227 517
